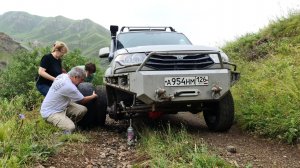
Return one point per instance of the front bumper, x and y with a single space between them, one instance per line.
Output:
149 86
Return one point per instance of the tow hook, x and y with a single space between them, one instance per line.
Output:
161 94
216 91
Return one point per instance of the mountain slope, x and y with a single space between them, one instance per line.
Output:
8 47
86 35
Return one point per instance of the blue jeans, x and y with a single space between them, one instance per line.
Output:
43 88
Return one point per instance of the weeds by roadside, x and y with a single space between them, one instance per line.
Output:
167 146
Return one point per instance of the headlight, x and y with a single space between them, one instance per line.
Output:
224 57
130 59
216 59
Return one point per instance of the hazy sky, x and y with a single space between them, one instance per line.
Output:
205 22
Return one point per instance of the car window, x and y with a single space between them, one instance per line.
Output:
133 39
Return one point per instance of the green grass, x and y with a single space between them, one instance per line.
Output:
167 146
267 96
25 141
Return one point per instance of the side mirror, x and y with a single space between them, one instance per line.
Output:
104 52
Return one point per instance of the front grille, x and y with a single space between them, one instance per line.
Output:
179 62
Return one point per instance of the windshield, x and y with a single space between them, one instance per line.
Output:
133 39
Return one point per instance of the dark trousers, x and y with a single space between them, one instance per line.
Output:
43 88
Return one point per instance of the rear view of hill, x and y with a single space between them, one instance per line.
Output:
32 30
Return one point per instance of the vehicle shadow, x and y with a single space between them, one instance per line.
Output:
193 123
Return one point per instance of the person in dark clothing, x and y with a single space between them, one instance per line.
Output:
51 67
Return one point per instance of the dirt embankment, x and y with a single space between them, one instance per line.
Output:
108 148
8 45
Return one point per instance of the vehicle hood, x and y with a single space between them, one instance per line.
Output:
160 48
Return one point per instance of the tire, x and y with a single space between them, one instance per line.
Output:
219 116
101 106
96 114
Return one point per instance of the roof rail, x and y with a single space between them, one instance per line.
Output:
145 28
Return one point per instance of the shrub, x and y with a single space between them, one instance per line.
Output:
15 79
19 77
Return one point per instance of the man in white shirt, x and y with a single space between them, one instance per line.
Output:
59 107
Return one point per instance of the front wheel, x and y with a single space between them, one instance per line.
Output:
219 116
96 114
101 105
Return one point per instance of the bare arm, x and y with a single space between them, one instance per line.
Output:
88 98
42 72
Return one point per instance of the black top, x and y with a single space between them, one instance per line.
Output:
53 67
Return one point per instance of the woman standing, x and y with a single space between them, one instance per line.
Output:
51 67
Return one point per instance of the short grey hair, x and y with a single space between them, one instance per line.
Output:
77 72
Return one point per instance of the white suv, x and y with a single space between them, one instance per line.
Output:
156 70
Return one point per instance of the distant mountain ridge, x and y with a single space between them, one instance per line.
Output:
84 34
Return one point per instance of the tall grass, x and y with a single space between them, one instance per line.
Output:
25 138
23 135
267 96
167 146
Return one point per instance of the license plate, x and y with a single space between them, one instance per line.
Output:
186 81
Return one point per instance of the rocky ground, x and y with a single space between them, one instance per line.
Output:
108 147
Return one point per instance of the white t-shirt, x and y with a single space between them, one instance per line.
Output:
59 96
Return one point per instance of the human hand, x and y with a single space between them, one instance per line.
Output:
94 94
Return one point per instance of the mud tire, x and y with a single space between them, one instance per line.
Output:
96 114
219 116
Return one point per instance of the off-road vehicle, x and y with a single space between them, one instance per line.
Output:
156 70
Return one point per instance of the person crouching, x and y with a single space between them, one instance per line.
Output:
59 107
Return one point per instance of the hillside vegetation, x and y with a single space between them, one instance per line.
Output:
32 31
267 96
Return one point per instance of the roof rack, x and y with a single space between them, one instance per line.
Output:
143 28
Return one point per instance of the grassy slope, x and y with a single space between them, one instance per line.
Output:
267 96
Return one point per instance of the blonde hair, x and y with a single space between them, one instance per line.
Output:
60 46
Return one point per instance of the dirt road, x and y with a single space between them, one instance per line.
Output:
250 150
108 148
